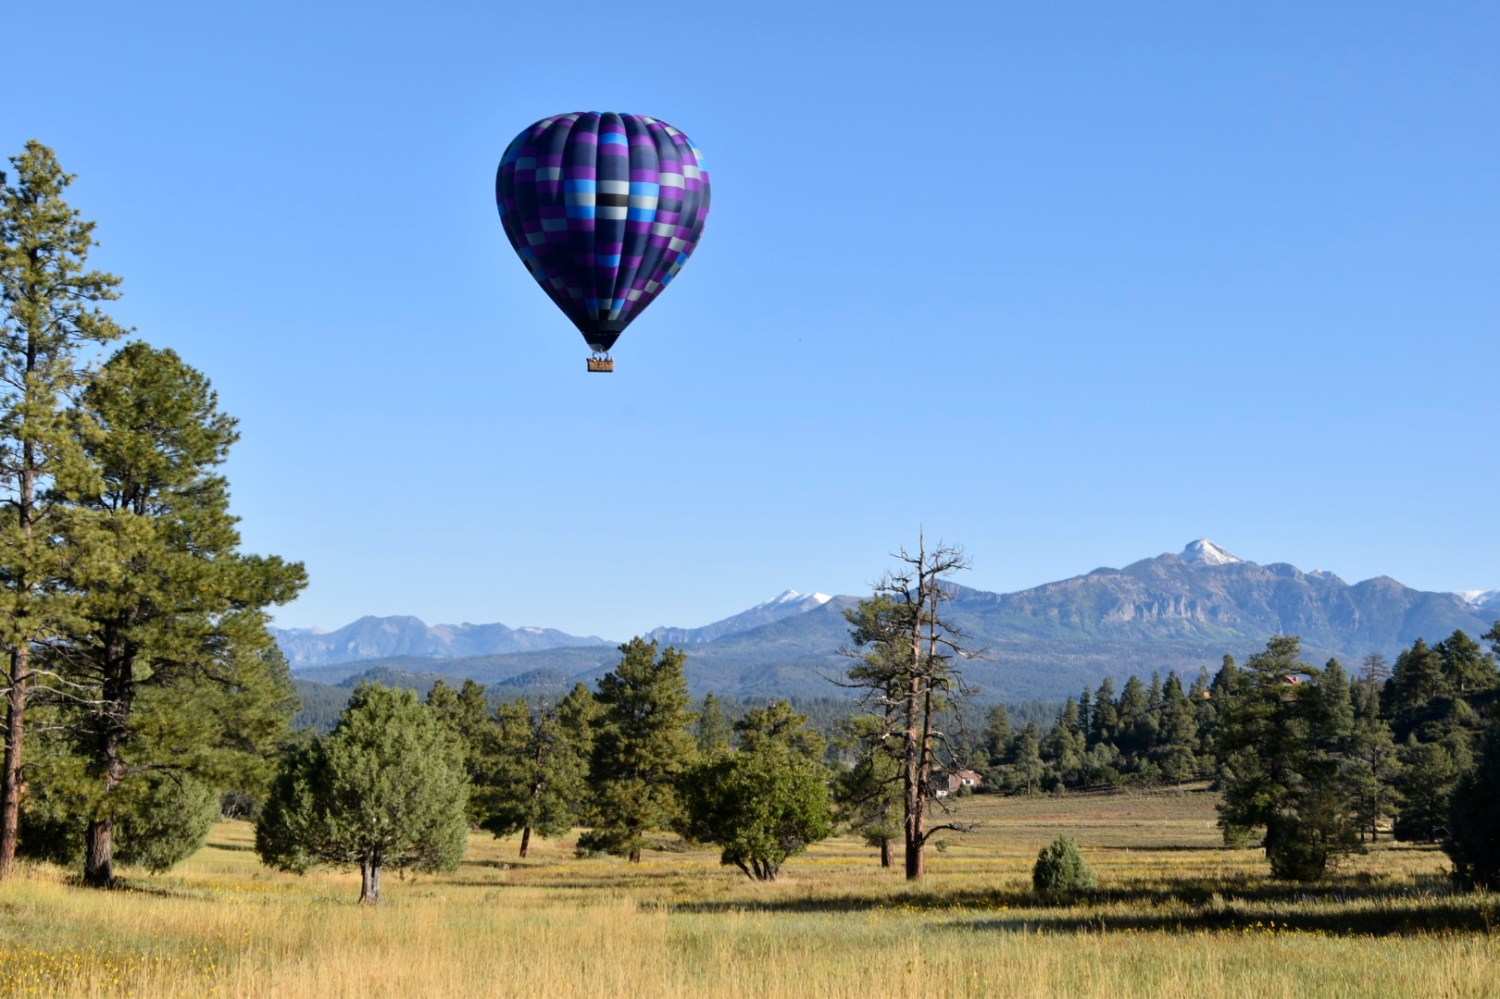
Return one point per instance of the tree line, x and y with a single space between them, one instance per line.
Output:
1312 760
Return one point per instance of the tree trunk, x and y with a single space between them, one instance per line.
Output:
98 861
916 794
885 852
109 742
369 880
635 855
12 783
525 841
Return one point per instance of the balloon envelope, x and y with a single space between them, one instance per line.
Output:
603 209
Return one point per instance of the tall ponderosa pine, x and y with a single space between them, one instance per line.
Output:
642 745
906 647
48 311
386 790
166 666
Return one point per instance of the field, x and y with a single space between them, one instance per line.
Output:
1176 915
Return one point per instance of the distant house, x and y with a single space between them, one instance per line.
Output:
965 778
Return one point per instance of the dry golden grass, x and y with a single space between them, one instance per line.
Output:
1176 915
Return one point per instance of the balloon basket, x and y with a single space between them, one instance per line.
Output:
601 364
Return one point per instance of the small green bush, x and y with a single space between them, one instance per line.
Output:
1061 873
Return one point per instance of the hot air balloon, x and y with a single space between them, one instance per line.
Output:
603 209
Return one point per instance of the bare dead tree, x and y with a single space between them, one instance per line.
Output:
906 651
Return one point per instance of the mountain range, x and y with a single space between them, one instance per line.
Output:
1179 612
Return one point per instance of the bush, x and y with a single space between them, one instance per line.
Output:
1061 873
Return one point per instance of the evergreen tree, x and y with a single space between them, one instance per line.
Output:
911 683
1025 774
1062 749
1419 693
1371 761
1374 670
641 747
49 309
778 722
1137 729
1337 705
1429 773
1279 775
386 790
1205 714
1105 723
539 769
166 663
766 801
1060 873
998 737
1177 733
712 728
868 793
1473 840
465 713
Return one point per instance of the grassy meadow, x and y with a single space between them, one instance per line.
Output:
1176 915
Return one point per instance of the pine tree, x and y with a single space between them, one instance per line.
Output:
49 309
869 792
539 779
1137 729
1177 733
998 737
907 671
1062 749
1026 771
1280 776
1467 668
1473 839
386 790
465 713
1371 762
764 802
166 662
712 729
1105 724
1420 693
1426 780
641 748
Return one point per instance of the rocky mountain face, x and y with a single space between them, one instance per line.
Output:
1205 593
1180 612
786 605
381 637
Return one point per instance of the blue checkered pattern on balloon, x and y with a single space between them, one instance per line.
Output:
603 209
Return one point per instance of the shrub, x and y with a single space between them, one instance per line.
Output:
1061 873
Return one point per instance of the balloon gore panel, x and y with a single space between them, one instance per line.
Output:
603 209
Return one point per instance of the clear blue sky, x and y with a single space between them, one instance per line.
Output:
1069 284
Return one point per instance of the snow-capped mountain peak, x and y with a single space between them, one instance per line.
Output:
1205 552
792 597
1478 598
